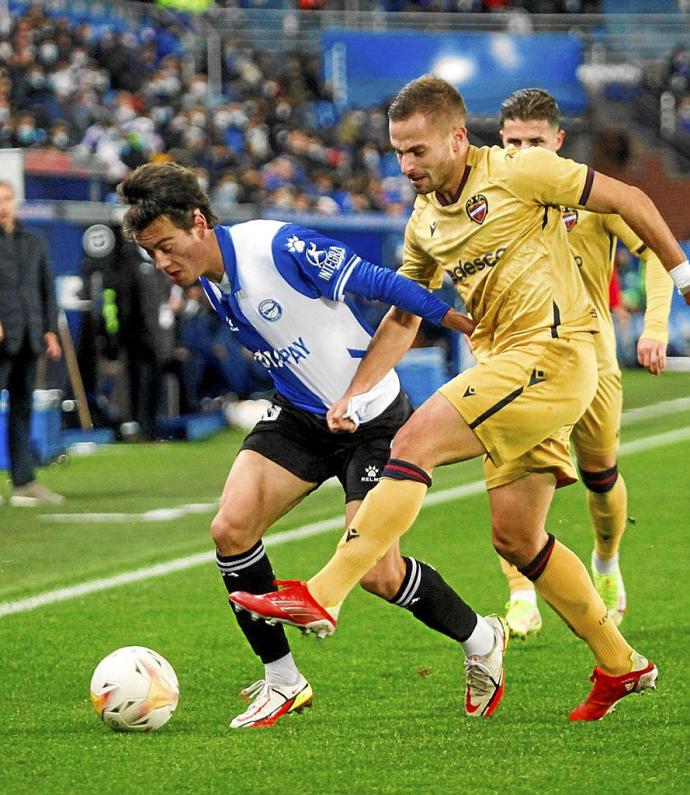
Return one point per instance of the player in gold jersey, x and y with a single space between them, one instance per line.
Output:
530 117
491 219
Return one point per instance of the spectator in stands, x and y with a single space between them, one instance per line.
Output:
28 326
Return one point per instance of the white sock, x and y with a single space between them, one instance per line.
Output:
604 565
481 641
526 595
282 671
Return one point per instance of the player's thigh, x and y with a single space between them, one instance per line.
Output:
518 516
256 494
436 434
519 397
596 434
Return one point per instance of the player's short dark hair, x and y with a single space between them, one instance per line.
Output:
158 189
531 104
431 96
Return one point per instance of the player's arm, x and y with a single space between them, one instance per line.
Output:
608 195
390 343
651 347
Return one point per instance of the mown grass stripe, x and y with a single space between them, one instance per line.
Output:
282 537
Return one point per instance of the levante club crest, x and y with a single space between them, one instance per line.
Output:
477 207
569 218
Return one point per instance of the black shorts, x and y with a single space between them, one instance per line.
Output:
301 443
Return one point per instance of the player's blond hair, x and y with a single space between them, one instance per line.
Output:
431 96
531 104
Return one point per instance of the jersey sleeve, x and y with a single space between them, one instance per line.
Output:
537 175
417 265
313 264
658 284
319 266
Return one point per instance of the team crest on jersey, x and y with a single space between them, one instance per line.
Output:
270 310
570 217
477 207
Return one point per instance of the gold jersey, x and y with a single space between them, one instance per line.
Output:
593 238
503 243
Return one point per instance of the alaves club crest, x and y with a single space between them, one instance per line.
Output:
569 218
477 207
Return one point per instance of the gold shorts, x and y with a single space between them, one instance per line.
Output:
523 402
597 431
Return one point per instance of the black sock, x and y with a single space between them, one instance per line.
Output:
430 599
252 572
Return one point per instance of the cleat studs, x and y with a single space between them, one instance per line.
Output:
255 616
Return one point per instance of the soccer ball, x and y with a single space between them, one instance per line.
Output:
134 689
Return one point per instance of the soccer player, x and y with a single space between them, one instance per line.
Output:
491 219
282 289
530 117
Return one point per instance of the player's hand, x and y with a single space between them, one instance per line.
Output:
687 297
336 419
53 349
651 354
2 332
459 322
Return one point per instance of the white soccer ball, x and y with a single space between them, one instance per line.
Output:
134 689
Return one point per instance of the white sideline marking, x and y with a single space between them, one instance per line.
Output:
655 410
629 417
283 537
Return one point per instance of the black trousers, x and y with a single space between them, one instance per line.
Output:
18 376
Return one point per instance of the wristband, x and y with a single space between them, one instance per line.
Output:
681 277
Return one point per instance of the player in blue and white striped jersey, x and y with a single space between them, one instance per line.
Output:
282 289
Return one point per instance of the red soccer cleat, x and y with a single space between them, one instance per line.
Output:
609 690
292 605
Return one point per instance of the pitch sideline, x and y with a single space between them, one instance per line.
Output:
283 537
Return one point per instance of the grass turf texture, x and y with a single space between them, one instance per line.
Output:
387 714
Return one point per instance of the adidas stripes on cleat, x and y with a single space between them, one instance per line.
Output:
292 605
609 690
271 702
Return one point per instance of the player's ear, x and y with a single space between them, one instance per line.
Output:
199 221
459 135
560 137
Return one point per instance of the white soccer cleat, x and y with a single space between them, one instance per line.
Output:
270 702
485 675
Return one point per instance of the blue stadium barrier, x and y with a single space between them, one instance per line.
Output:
366 69
422 371
46 430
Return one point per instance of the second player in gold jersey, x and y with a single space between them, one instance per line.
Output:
530 119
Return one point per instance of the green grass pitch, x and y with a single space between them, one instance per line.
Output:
388 693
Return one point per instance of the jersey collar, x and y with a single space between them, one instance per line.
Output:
444 200
227 250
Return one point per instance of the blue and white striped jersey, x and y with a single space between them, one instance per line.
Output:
283 294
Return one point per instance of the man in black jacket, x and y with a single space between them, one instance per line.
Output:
28 326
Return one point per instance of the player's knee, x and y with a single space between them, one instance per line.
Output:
514 547
602 481
230 535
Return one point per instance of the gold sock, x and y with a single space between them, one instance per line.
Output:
387 512
567 587
609 512
516 580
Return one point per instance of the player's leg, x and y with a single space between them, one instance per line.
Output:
435 434
256 494
595 439
416 586
518 511
522 611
